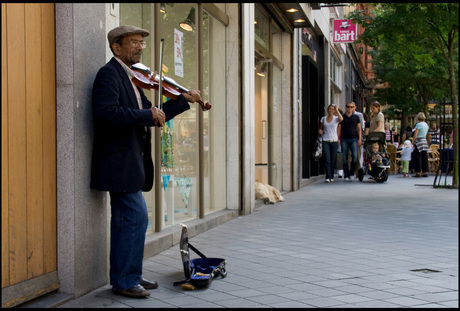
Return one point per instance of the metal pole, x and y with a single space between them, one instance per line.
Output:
157 133
201 162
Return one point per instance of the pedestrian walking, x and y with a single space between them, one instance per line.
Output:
351 135
420 146
328 130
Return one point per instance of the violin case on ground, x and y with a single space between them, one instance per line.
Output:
200 271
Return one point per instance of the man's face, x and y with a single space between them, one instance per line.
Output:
130 49
350 108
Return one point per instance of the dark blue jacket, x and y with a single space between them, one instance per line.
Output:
121 159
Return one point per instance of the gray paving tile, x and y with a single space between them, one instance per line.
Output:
407 301
299 296
375 304
202 305
268 299
450 295
436 289
183 301
276 290
379 295
432 305
305 287
450 304
323 302
149 303
379 286
357 289
212 297
73 304
437 297
244 293
290 304
404 291
327 292
239 303
351 298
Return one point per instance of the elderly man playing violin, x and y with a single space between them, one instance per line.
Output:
121 161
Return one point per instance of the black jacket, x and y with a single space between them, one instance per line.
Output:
121 160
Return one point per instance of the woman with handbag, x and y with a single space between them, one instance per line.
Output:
328 130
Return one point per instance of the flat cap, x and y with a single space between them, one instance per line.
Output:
123 31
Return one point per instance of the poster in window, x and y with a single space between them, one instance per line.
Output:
178 54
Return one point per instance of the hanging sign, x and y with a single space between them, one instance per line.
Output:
344 31
178 54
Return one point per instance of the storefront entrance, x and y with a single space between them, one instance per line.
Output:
268 104
261 121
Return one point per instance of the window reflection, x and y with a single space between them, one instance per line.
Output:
179 137
179 146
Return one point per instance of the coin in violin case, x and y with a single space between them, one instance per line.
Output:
199 271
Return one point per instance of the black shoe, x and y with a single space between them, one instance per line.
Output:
148 284
133 292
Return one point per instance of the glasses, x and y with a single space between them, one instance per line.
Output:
134 44
350 106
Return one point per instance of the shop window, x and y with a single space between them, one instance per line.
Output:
214 121
261 28
180 165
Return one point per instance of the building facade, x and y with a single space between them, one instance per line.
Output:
268 70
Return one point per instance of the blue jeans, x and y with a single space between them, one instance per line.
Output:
127 237
349 144
330 153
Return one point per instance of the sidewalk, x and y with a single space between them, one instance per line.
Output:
343 244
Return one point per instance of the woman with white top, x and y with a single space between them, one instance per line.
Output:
420 146
328 130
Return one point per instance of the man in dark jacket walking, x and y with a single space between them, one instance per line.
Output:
351 135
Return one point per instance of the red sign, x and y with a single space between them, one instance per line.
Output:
344 31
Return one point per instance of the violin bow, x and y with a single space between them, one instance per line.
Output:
160 93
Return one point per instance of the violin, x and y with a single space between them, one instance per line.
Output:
144 78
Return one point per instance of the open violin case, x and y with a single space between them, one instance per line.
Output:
199 271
